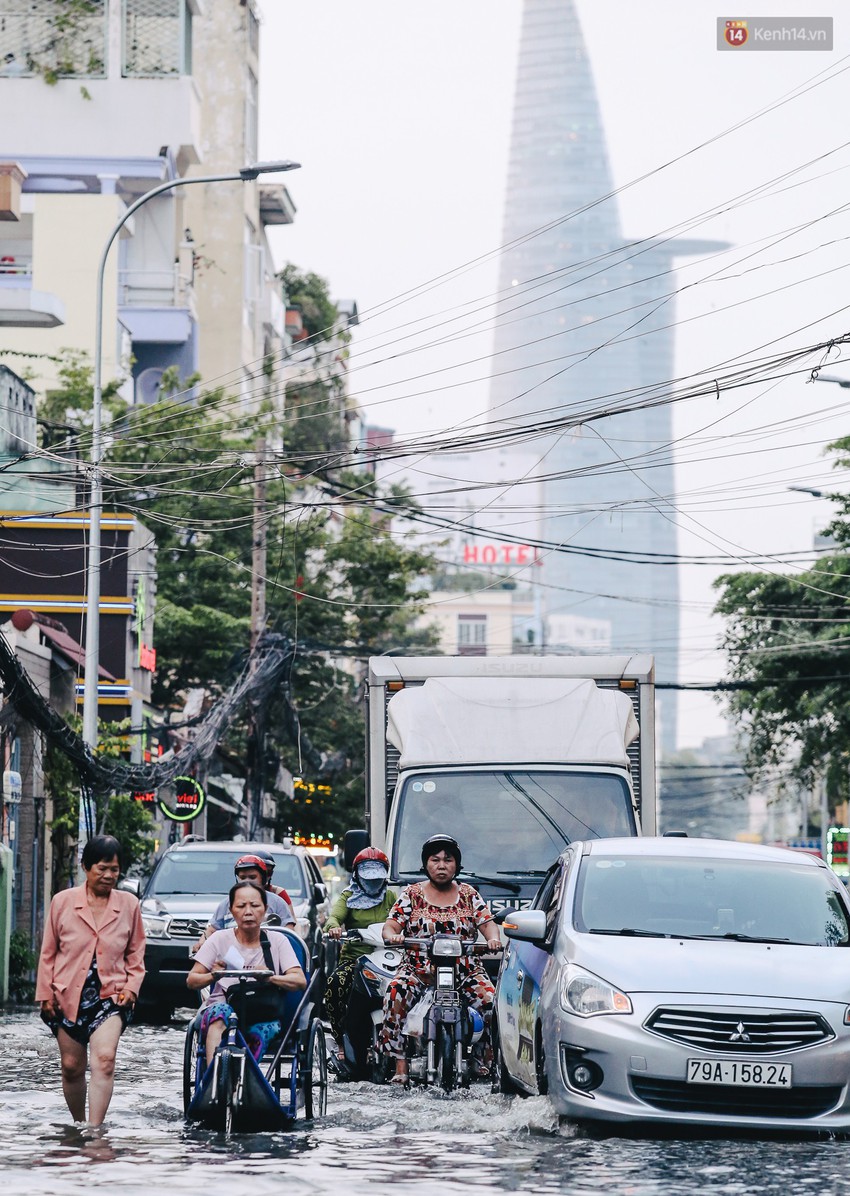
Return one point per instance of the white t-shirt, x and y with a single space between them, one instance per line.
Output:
217 945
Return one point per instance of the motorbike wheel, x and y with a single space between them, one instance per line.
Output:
376 1061
446 1059
189 1052
315 1075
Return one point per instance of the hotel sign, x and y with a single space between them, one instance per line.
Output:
501 554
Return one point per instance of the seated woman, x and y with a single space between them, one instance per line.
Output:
439 905
248 907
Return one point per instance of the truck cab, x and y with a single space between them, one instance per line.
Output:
516 757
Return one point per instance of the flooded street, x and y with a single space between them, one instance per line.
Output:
373 1137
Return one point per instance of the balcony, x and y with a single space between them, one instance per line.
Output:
20 305
157 306
168 287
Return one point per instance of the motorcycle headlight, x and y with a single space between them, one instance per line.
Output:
587 995
448 948
156 926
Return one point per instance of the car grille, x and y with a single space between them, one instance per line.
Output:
740 1032
185 928
675 1096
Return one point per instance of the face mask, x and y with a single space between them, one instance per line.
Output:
372 876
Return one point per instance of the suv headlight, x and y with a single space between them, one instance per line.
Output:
156 926
587 995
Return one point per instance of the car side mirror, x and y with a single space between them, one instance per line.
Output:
320 893
529 925
501 915
130 884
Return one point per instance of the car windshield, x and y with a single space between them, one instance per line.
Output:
204 873
710 898
509 823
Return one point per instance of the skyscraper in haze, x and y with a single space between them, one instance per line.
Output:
584 324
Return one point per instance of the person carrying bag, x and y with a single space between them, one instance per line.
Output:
245 947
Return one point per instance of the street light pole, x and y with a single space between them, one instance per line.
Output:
90 692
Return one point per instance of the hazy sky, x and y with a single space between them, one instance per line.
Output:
400 114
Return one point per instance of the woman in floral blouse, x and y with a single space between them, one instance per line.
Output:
439 905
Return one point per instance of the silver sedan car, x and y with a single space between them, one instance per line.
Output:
681 981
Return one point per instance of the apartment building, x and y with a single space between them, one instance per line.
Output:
104 101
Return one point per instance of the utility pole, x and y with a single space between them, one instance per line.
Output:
259 555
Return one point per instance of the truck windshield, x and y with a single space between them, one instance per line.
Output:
508 822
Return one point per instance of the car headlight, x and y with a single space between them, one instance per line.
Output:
587 995
156 927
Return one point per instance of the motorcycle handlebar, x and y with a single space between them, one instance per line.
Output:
466 945
245 975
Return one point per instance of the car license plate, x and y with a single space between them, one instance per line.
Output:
743 1073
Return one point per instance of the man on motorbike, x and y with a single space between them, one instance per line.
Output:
258 870
367 900
439 905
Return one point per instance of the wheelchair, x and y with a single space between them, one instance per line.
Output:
238 1094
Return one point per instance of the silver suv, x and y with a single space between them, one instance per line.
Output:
187 884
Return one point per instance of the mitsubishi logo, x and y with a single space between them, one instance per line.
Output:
740 1034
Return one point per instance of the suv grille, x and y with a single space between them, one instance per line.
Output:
743 1032
722 1099
185 928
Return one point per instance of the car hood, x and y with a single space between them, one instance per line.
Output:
697 966
183 905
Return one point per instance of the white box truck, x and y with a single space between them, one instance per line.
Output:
515 756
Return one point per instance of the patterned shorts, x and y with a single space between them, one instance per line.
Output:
93 1012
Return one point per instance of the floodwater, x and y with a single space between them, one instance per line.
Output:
420 1143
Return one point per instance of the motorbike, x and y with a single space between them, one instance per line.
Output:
440 1053
365 1014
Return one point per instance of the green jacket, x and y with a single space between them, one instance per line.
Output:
357 919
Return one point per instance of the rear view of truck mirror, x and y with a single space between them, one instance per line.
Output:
352 844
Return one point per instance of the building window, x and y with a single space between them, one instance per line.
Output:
157 38
252 278
41 37
253 30
472 635
251 121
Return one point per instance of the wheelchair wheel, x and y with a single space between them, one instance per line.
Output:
190 1046
314 1075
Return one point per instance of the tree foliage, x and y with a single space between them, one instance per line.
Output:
118 815
788 644
338 583
309 293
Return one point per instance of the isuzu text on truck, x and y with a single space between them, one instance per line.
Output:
516 756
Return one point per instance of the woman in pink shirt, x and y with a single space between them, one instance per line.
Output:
89 975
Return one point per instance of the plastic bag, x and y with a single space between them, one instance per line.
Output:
417 1013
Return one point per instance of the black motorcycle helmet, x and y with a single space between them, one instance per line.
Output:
438 843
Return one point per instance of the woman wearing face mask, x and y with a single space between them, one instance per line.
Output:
438 905
367 900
